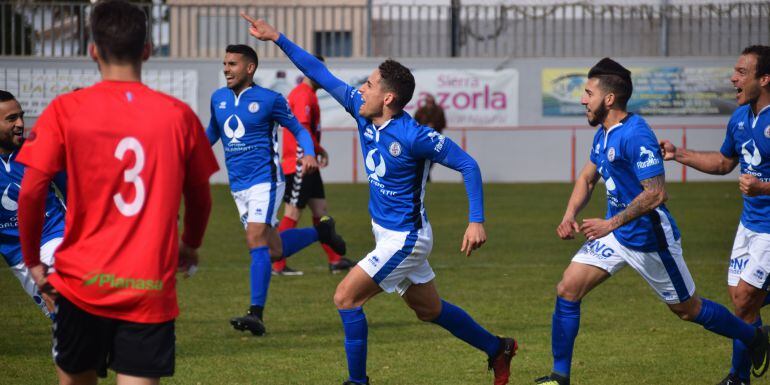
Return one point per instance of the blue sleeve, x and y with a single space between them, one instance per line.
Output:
282 114
60 181
347 96
429 144
593 156
212 131
643 152
728 146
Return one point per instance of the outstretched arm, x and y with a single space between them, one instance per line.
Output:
710 162
308 64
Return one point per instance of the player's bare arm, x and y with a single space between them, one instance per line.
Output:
753 186
581 194
474 237
654 195
260 29
710 162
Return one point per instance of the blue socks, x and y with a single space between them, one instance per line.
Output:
741 360
462 326
356 333
260 275
295 240
564 329
716 318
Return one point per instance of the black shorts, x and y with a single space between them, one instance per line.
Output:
300 189
83 341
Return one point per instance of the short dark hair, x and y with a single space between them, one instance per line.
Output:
397 79
119 30
763 58
6 96
244 50
613 78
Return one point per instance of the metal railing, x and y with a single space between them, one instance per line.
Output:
54 29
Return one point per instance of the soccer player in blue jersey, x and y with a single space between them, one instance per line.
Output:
638 230
398 153
11 140
246 116
747 142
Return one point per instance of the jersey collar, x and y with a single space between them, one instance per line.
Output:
238 96
754 119
620 123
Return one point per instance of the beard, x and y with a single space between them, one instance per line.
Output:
599 115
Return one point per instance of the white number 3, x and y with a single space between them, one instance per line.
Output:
131 176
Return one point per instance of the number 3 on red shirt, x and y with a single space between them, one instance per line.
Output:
131 176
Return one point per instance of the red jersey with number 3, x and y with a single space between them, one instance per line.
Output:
128 152
304 105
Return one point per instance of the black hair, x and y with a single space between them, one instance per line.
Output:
244 50
119 30
613 78
762 53
6 96
397 79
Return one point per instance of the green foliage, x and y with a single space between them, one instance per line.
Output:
627 336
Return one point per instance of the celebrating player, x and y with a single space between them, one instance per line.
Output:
638 230
130 153
305 190
398 153
245 116
747 142
11 140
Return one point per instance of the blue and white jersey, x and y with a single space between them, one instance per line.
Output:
11 173
748 138
247 124
625 155
397 155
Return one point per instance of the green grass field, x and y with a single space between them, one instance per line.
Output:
627 336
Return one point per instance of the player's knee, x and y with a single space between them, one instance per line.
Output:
342 300
565 289
276 253
426 314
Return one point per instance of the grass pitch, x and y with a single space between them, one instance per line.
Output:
627 336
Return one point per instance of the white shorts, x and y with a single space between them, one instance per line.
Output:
399 258
750 259
664 270
22 273
259 203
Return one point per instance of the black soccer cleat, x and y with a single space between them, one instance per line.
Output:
342 265
759 352
249 322
356 383
328 235
288 272
552 379
732 379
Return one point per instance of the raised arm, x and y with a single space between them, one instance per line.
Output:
308 64
710 162
581 194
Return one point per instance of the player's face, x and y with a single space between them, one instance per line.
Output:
373 96
747 84
11 126
593 100
238 71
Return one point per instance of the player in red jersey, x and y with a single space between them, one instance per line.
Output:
305 190
130 154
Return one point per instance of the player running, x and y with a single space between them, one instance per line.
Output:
11 141
638 229
398 153
245 116
131 153
747 142
305 190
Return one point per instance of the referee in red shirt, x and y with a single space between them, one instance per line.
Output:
305 190
130 154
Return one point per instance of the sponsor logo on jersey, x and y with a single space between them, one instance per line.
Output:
650 161
609 184
751 158
740 125
596 150
395 149
376 169
236 134
253 107
112 281
6 201
222 105
611 154
369 134
441 138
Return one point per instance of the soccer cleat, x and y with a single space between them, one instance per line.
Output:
553 379
501 363
287 271
249 322
328 235
759 352
732 379
343 264
356 383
